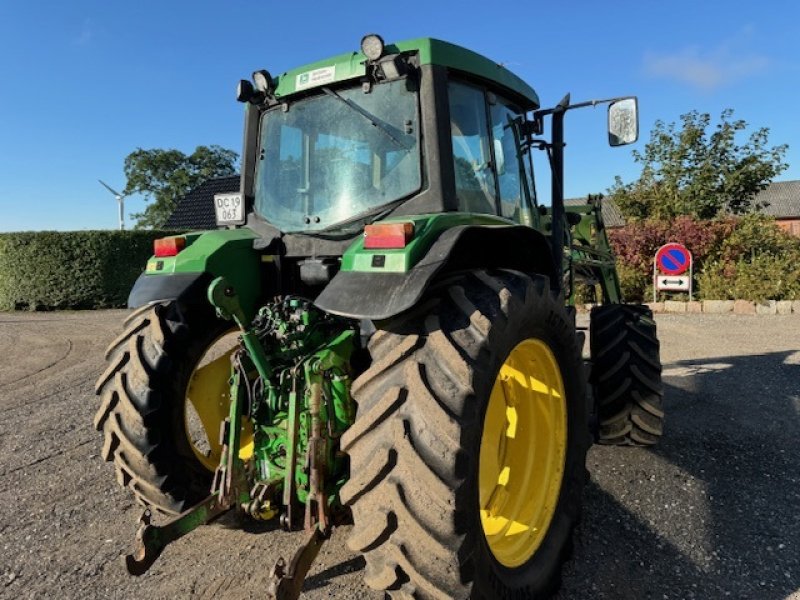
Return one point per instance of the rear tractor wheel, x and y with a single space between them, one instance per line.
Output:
468 450
164 395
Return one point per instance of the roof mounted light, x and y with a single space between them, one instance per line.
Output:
263 82
372 46
244 91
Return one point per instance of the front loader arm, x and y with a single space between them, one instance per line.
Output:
591 254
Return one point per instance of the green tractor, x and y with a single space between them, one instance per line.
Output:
383 329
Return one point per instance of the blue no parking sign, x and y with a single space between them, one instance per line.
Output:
673 259
670 265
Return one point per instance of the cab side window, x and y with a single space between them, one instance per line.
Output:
472 153
510 169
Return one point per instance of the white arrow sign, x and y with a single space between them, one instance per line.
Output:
674 283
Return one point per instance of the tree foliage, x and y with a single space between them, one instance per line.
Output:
688 170
165 176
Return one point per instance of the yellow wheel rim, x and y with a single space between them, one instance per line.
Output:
207 404
522 453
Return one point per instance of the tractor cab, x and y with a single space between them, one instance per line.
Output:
417 127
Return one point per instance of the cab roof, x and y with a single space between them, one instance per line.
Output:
430 52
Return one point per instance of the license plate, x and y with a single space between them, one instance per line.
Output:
229 208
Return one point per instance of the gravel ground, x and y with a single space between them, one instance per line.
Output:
713 512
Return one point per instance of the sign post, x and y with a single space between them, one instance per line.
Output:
670 267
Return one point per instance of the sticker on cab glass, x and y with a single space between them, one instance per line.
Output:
315 77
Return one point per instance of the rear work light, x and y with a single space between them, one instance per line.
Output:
385 236
168 246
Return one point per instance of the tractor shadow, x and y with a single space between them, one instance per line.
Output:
323 578
714 510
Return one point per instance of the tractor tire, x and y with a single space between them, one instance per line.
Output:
626 375
433 430
142 410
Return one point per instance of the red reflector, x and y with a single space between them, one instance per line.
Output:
388 235
169 246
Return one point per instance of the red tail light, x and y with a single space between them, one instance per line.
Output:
385 236
168 246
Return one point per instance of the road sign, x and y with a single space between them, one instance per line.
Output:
673 283
673 259
672 270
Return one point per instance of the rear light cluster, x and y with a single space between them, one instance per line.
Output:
387 236
168 246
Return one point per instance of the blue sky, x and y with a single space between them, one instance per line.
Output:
83 83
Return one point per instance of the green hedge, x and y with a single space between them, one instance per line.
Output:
46 270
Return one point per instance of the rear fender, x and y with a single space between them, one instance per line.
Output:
227 252
364 290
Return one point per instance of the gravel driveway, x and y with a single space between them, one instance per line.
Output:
713 512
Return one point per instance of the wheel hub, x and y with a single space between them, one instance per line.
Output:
522 452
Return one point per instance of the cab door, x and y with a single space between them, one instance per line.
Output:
492 170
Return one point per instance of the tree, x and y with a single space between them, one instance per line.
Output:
688 171
165 176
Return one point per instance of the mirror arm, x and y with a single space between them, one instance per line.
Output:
556 151
538 114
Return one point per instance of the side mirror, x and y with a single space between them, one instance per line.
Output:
623 122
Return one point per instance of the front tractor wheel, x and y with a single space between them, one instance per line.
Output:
164 395
469 447
626 375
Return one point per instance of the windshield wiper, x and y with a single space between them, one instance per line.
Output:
368 116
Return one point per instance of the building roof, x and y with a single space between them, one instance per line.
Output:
611 215
196 209
782 199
